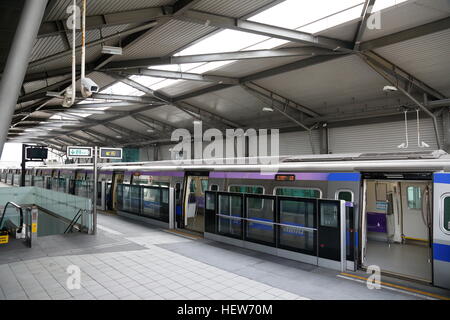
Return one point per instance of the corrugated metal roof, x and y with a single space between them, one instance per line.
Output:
165 39
244 68
427 58
97 7
36 85
341 81
92 54
231 8
382 137
233 103
394 19
183 86
47 46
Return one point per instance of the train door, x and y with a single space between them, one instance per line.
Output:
396 225
117 179
194 201
441 230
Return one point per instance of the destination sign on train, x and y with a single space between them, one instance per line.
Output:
111 153
79 152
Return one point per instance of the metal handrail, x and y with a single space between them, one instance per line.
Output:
265 222
17 207
74 220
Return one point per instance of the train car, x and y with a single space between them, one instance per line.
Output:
357 210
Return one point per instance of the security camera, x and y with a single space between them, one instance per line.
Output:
390 89
89 86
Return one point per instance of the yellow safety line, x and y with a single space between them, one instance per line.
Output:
416 239
398 287
184 234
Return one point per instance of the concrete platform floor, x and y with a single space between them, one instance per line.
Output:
129 260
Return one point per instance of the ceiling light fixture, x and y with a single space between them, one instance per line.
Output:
390 89
267 109
112 50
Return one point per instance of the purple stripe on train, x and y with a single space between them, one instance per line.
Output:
162 173
309 176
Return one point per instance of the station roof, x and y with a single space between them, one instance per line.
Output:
222 62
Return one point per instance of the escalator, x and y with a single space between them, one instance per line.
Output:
15 225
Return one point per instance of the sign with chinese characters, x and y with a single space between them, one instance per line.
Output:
111 153
80 152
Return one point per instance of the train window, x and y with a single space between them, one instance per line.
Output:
414 195
247 189
214 187
447 213
298 192
345 195
252 202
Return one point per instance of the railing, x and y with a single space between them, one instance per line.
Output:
11 217
74 221
63 205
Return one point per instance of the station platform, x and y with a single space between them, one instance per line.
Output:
128 260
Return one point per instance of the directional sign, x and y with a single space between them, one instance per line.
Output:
79 152
111 153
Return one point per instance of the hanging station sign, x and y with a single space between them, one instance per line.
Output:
80 152
111 153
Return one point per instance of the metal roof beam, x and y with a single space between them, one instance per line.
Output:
182 6
182 76
408 34
92 43
138 99
100 136
153 123
132 133
365 15
194 112
404 75
281 100
50 28
221 56
393 82
264 30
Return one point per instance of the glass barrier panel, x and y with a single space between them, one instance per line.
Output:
231 206
295 214
261 211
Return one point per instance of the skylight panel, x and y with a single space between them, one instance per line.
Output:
333 20
382 4
165 83
292 14
121 88
223 41
177 67
209 66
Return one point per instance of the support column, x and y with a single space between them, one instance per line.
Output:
17 63
446 122
323 138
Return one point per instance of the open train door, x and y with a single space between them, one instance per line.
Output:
117 179
195 186
441 230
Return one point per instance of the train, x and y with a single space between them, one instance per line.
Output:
341 211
